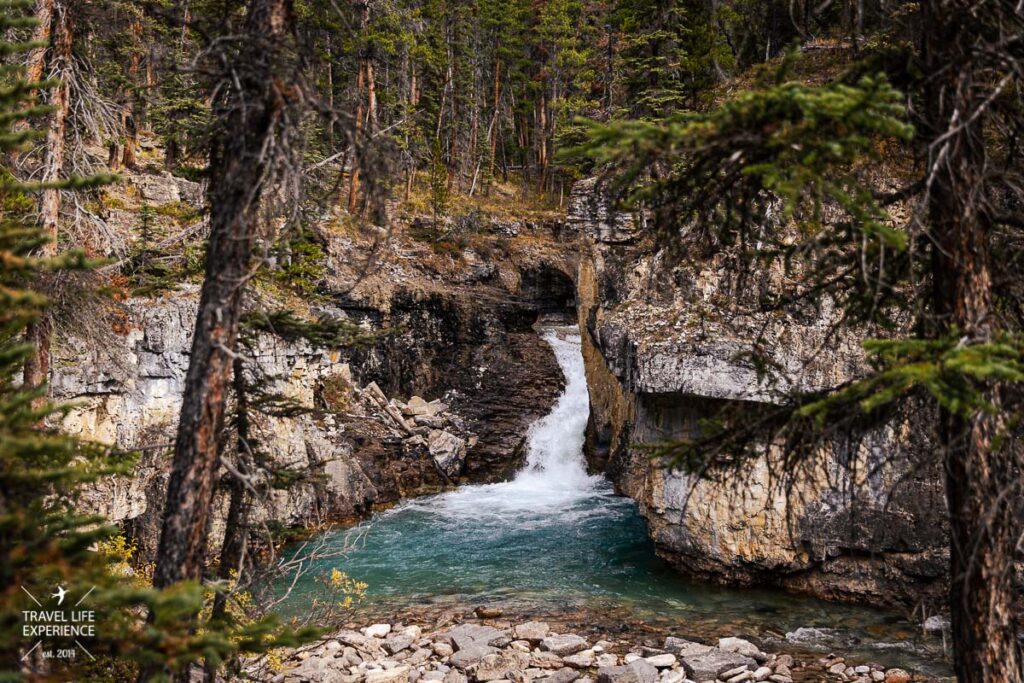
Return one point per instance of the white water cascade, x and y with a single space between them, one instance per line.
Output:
554 476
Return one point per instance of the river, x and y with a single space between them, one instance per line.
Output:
556 539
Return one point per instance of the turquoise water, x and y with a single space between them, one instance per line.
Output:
557 540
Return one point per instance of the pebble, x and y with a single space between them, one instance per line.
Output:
560 676
581 660
396 644
442 649
545 660
897 676
533 631
502 652
378 630
740 646
562 645
661 661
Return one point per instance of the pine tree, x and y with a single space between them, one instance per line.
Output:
671 53
713 180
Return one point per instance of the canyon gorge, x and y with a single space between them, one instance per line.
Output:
453 379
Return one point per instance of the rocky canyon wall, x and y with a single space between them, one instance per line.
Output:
443 393
664 348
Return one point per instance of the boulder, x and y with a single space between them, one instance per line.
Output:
469 656
683 647
443 649
399 674
707 666
581 660
396 644
377 631
561 676
664 661
563 645
533 631
466 635
743 647
318 669
897 676
499 665
447 450
546 660
416 406
157 189
634 672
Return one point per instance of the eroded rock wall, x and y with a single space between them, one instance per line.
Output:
664 348
453 334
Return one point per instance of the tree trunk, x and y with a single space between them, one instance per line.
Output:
353 176
330 95
41 36
36 63
248 117
981 468
39 334
363 82
495 122
236 527
131 115
171 155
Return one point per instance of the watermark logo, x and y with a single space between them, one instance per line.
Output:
56 631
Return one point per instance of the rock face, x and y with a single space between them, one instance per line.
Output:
129 396
454 333
664 348
476 346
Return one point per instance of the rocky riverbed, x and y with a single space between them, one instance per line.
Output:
491 650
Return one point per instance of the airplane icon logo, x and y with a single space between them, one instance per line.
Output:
59 595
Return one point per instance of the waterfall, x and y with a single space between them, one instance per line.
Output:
554 476
555 455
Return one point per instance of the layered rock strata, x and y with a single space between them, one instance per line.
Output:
666 346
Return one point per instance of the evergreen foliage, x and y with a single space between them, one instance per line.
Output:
782 175
758 174
44 540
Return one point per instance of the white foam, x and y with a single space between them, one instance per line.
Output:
554 478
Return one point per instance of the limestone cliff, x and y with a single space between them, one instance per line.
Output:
664 348
455 326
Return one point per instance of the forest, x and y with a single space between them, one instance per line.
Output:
738 279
